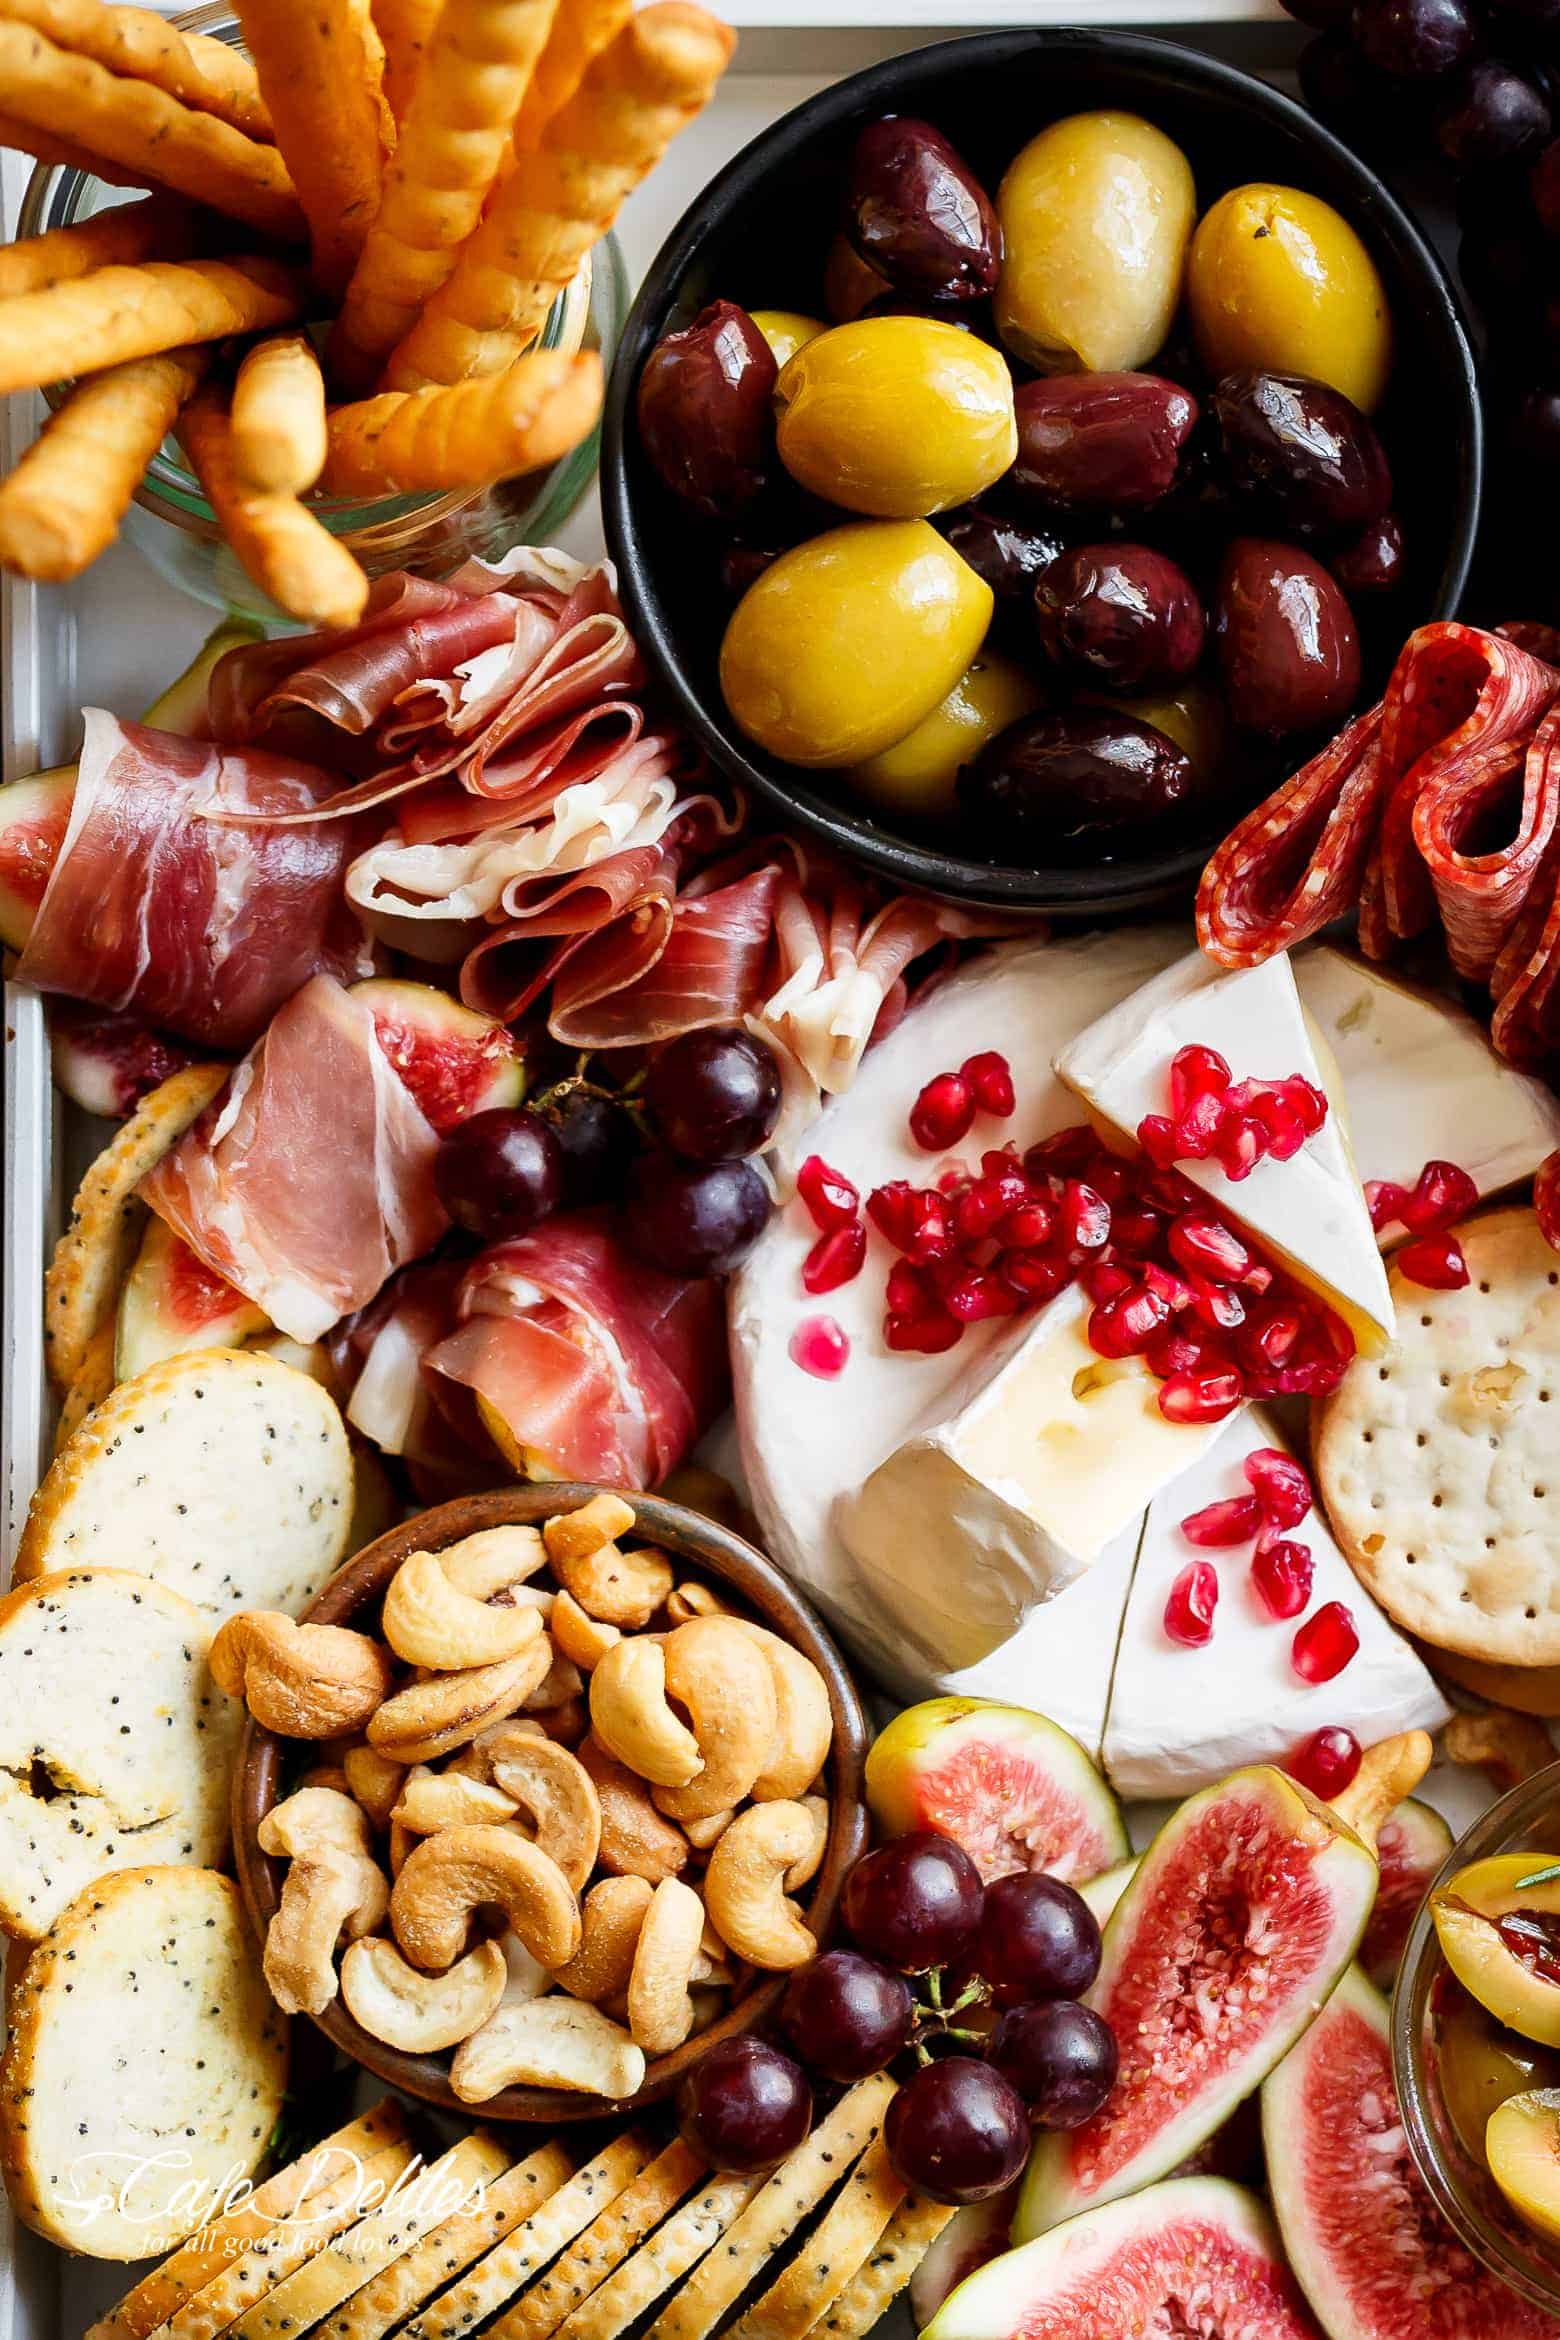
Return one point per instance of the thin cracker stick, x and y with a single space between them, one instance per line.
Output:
200 71
119 313
606 2243
457 129
581 30
45 147
910 2234
405 29
63 503
832 2254
671 2251
156 227
317 77
466 434
135 124
279 416
562 197
290 555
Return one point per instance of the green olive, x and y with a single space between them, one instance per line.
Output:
915 778
896 416
786 331
846 642
1279 280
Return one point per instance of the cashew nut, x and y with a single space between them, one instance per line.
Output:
695 1600
428 1621
449 1876
305 1681
630 1716
552 2043
722 1677
561 1682
702 1834
802 1872
374 1780
567 1723
477 1759
326 1775
421 2012
744 1885
556 1792
525 1977
1388 1772
429 1718
613 1914
431 1800
493 1560
660 2012
400 1844
1510 1747
314 1820
575 1535
333 1887
636 1839
804 1720
581 1637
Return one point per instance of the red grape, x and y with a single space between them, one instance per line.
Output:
744 2106
957 2131
500 1172
598 1142
692 1219
1415 39
1038 1940
847 2015
915 1902
1493 114
714 1096
1060 2057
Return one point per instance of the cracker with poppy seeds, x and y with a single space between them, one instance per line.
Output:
908 2237
672 2251
832 2255
606 2243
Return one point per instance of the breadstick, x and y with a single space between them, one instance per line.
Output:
562 197
209 74
457 129
581 30
64 501
140 126
154 227
317 77
118 313
45 147
279 416
466 434
305 570
405 28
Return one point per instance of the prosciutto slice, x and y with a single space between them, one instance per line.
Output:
309 1180
162 906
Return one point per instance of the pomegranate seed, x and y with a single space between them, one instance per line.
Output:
1063 1154
1217 1304
976 1213
835 1258
1123 1327
1196 1072
933 1237
1281 1124
906 1290
1194 1596
1202 1396
1327 1762
1026 1227
1104 1279
1003 1162
1279 1485
1173 1290
1282 1574
821 1347
1271 1338
1156 1135
1198 1129
1436 1261
1033 1275
1546 1200
942 1113
1441 1194
1325 1643
1134 1229
1235 1521
1258 1278
1209 1248
1085 1217
1384 1199
990 1077
972 1297
894 1211
829 1195
1175 1351
1239 1149
1310 1102
927 1334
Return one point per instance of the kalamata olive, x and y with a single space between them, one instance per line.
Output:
1288 651
915 211
1121 616
1009 554
1100 438
1373 562
1301 451
705 410
1076 784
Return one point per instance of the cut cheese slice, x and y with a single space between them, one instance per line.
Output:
1308 1212
1061 1660
1182 1718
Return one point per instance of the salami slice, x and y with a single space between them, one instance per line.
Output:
1511 790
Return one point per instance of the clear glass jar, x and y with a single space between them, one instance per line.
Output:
173 525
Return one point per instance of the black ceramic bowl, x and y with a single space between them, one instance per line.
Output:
758 235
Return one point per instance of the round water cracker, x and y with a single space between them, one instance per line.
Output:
1529 1689
224 1475
1439 1460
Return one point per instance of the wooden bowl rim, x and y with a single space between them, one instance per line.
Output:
719 1553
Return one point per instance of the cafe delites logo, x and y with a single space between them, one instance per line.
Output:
336 2187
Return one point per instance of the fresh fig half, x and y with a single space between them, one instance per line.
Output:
1243 1913
105 1062
973 2236
1411 1846
172 1301
1193 2255
1367 2245
454 1061
1015 1789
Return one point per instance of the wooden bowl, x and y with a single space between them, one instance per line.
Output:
352 1597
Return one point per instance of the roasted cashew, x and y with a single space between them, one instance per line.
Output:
450 1876
581 1637
802 1872
561 1682
525 1977
428 1621
494 1560
719 1674
636 1839
688 1601
431 1800
333 1887
804 1720
557 1794
421 2013
567 1724
553 2043
613 1913
744 1886
631 1718
1510 1747
703 1834
374 1780
1388 1772
575 1535
429 1718
476 1759
660 2012
315 1820
400 1844
326 1775
305 1681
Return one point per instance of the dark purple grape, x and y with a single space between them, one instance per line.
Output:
1504 267
847 2015
500 1172
1288 650
916 213
1008 554
915 1902
1038 1940
744 2106
706 410
1081 782
1373 563
1100 439
598 1142
1544 188
957 2131
695 1219
714 1095
1061 2058
1494 114
1121 616
1301 451
1413 40
1536 433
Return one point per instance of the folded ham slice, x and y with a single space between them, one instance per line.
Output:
309 1180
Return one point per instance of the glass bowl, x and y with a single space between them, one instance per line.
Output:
1526 1821
173 525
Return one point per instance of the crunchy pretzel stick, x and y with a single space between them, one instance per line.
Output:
316 71
200 71
467 434
64 501
305 570
45 147
578 36
405 27
156 228
119 313
279 416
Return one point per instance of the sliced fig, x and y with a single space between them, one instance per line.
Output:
972 2236
172 1301
1501 1938
1104 1891
1367 2245
1193 2255
1016 1790
1522 2146
107 1063
454 1061
1243 1913
1410 1849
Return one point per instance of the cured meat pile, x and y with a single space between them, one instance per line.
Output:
1438 809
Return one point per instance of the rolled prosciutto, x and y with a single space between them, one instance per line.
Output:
309 1179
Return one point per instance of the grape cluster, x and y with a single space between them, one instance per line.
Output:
981 1984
